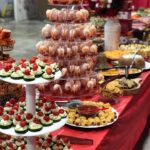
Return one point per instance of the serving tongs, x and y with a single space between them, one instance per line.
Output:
132 62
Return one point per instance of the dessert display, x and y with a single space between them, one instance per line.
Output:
6 44
58 50
69 16
5 38
76 32
29 70
71 87
126 60
46 142
91 115
68 40
14 115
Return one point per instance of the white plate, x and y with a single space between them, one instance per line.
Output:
100 126
45 130
147 66
36 81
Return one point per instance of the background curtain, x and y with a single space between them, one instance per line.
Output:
141 3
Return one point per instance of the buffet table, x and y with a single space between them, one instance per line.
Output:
123 135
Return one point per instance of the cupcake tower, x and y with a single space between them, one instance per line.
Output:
68 41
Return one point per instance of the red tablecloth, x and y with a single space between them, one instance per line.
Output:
124 134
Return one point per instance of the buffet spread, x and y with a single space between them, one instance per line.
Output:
68 83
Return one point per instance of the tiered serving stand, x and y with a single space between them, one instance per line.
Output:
66 62
30 105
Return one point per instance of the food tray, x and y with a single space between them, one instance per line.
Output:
95 127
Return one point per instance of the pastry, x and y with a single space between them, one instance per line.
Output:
78 16
85 14
72 35
46 31
93 49
64 33
5 34
71 15
55 33
93 30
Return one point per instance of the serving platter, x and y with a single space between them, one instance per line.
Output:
120 72
36 81
134 90
147 66
100 126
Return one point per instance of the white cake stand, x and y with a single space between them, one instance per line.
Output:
31 108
